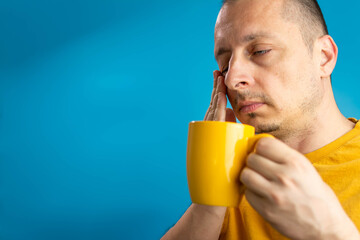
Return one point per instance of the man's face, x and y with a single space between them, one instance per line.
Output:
273 82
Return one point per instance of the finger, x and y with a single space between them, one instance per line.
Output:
257 202
222 86
230 115
216 76
255 182
213 103
206 115
263 166
220 112
220 98
209 116
210 112
214 100
275 150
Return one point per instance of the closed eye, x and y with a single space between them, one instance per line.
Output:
262 52
257 53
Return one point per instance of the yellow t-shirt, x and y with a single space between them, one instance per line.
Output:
338 163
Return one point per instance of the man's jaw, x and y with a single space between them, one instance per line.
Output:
252 113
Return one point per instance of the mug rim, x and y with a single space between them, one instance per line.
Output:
242 125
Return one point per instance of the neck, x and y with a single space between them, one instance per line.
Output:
325 127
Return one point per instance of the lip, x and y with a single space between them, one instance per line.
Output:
248 107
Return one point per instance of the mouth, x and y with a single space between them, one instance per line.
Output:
249 107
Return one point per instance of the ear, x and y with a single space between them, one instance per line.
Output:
328 58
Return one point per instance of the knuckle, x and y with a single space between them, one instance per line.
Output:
296 164
221 100
263 143
217 95
285 180
268 214
276 198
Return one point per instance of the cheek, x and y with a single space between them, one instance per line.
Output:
278 87
286 79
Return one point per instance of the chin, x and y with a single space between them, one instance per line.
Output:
272 129
251 119
261 126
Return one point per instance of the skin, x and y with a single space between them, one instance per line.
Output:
288 93
275 71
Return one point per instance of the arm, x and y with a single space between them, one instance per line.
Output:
199 221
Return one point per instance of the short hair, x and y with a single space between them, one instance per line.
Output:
307 14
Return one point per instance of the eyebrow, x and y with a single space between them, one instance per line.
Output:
247 38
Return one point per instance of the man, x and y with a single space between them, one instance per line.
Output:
276 60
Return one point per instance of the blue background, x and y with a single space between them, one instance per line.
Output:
95 101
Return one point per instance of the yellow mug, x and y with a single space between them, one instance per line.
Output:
216 154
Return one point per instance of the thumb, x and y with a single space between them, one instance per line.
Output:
230 116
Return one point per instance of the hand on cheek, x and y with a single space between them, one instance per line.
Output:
217 110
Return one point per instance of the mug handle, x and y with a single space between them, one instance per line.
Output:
253 141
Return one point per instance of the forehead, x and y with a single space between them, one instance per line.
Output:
243 18
247 11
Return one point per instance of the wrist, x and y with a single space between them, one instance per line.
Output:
344 229
217 212
351 233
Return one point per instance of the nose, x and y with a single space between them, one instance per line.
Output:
239 75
